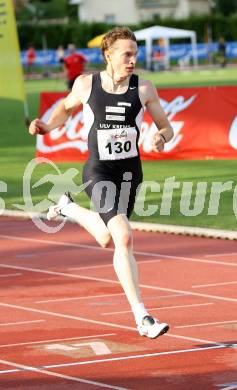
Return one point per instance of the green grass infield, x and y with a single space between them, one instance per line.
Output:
17 148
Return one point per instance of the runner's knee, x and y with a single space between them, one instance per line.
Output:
123 239
103 239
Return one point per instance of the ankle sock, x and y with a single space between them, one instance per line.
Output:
139 312
70 210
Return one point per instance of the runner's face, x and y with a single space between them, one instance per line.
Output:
122 57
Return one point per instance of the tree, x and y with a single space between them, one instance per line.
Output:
41 9
225 7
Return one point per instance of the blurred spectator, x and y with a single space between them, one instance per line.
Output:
221 54
184 61
60 54
73 64
158 60
30 57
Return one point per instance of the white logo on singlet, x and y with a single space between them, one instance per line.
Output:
118 110
124 104
120 118
113 111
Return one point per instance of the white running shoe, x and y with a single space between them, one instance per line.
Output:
152 328
55 211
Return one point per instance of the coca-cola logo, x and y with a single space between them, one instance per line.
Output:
233 133
171 108
74 134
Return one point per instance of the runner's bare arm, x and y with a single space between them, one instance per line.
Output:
151 100
63 110
80 92
57 118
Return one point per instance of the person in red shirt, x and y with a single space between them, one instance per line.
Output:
30 57
73 65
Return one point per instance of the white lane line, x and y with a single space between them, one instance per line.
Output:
26 255
108 265
191 293
56 374
206 324
175 352
78 298
184 258
21 322
53 340
108 296
214 284
97 248
87 362
38 270
57 243
158 308
147 298
9 275
192 259
37 254
228 386
109 324
90 267
222 254
194 339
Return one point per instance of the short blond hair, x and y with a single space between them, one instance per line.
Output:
116 33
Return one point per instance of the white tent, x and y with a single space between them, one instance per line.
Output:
158 32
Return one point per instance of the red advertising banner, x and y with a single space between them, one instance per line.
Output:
204 122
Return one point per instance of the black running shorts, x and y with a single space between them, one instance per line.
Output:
113 186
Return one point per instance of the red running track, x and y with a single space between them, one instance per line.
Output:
65 322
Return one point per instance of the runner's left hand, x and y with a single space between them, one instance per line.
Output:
158 143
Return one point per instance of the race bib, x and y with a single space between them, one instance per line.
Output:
117 144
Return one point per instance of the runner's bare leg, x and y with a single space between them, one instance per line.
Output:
89 220
124 262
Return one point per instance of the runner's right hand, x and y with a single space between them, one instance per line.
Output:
38 127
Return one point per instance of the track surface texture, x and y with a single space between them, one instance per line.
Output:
65 321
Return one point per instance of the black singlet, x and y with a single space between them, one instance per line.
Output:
114 166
